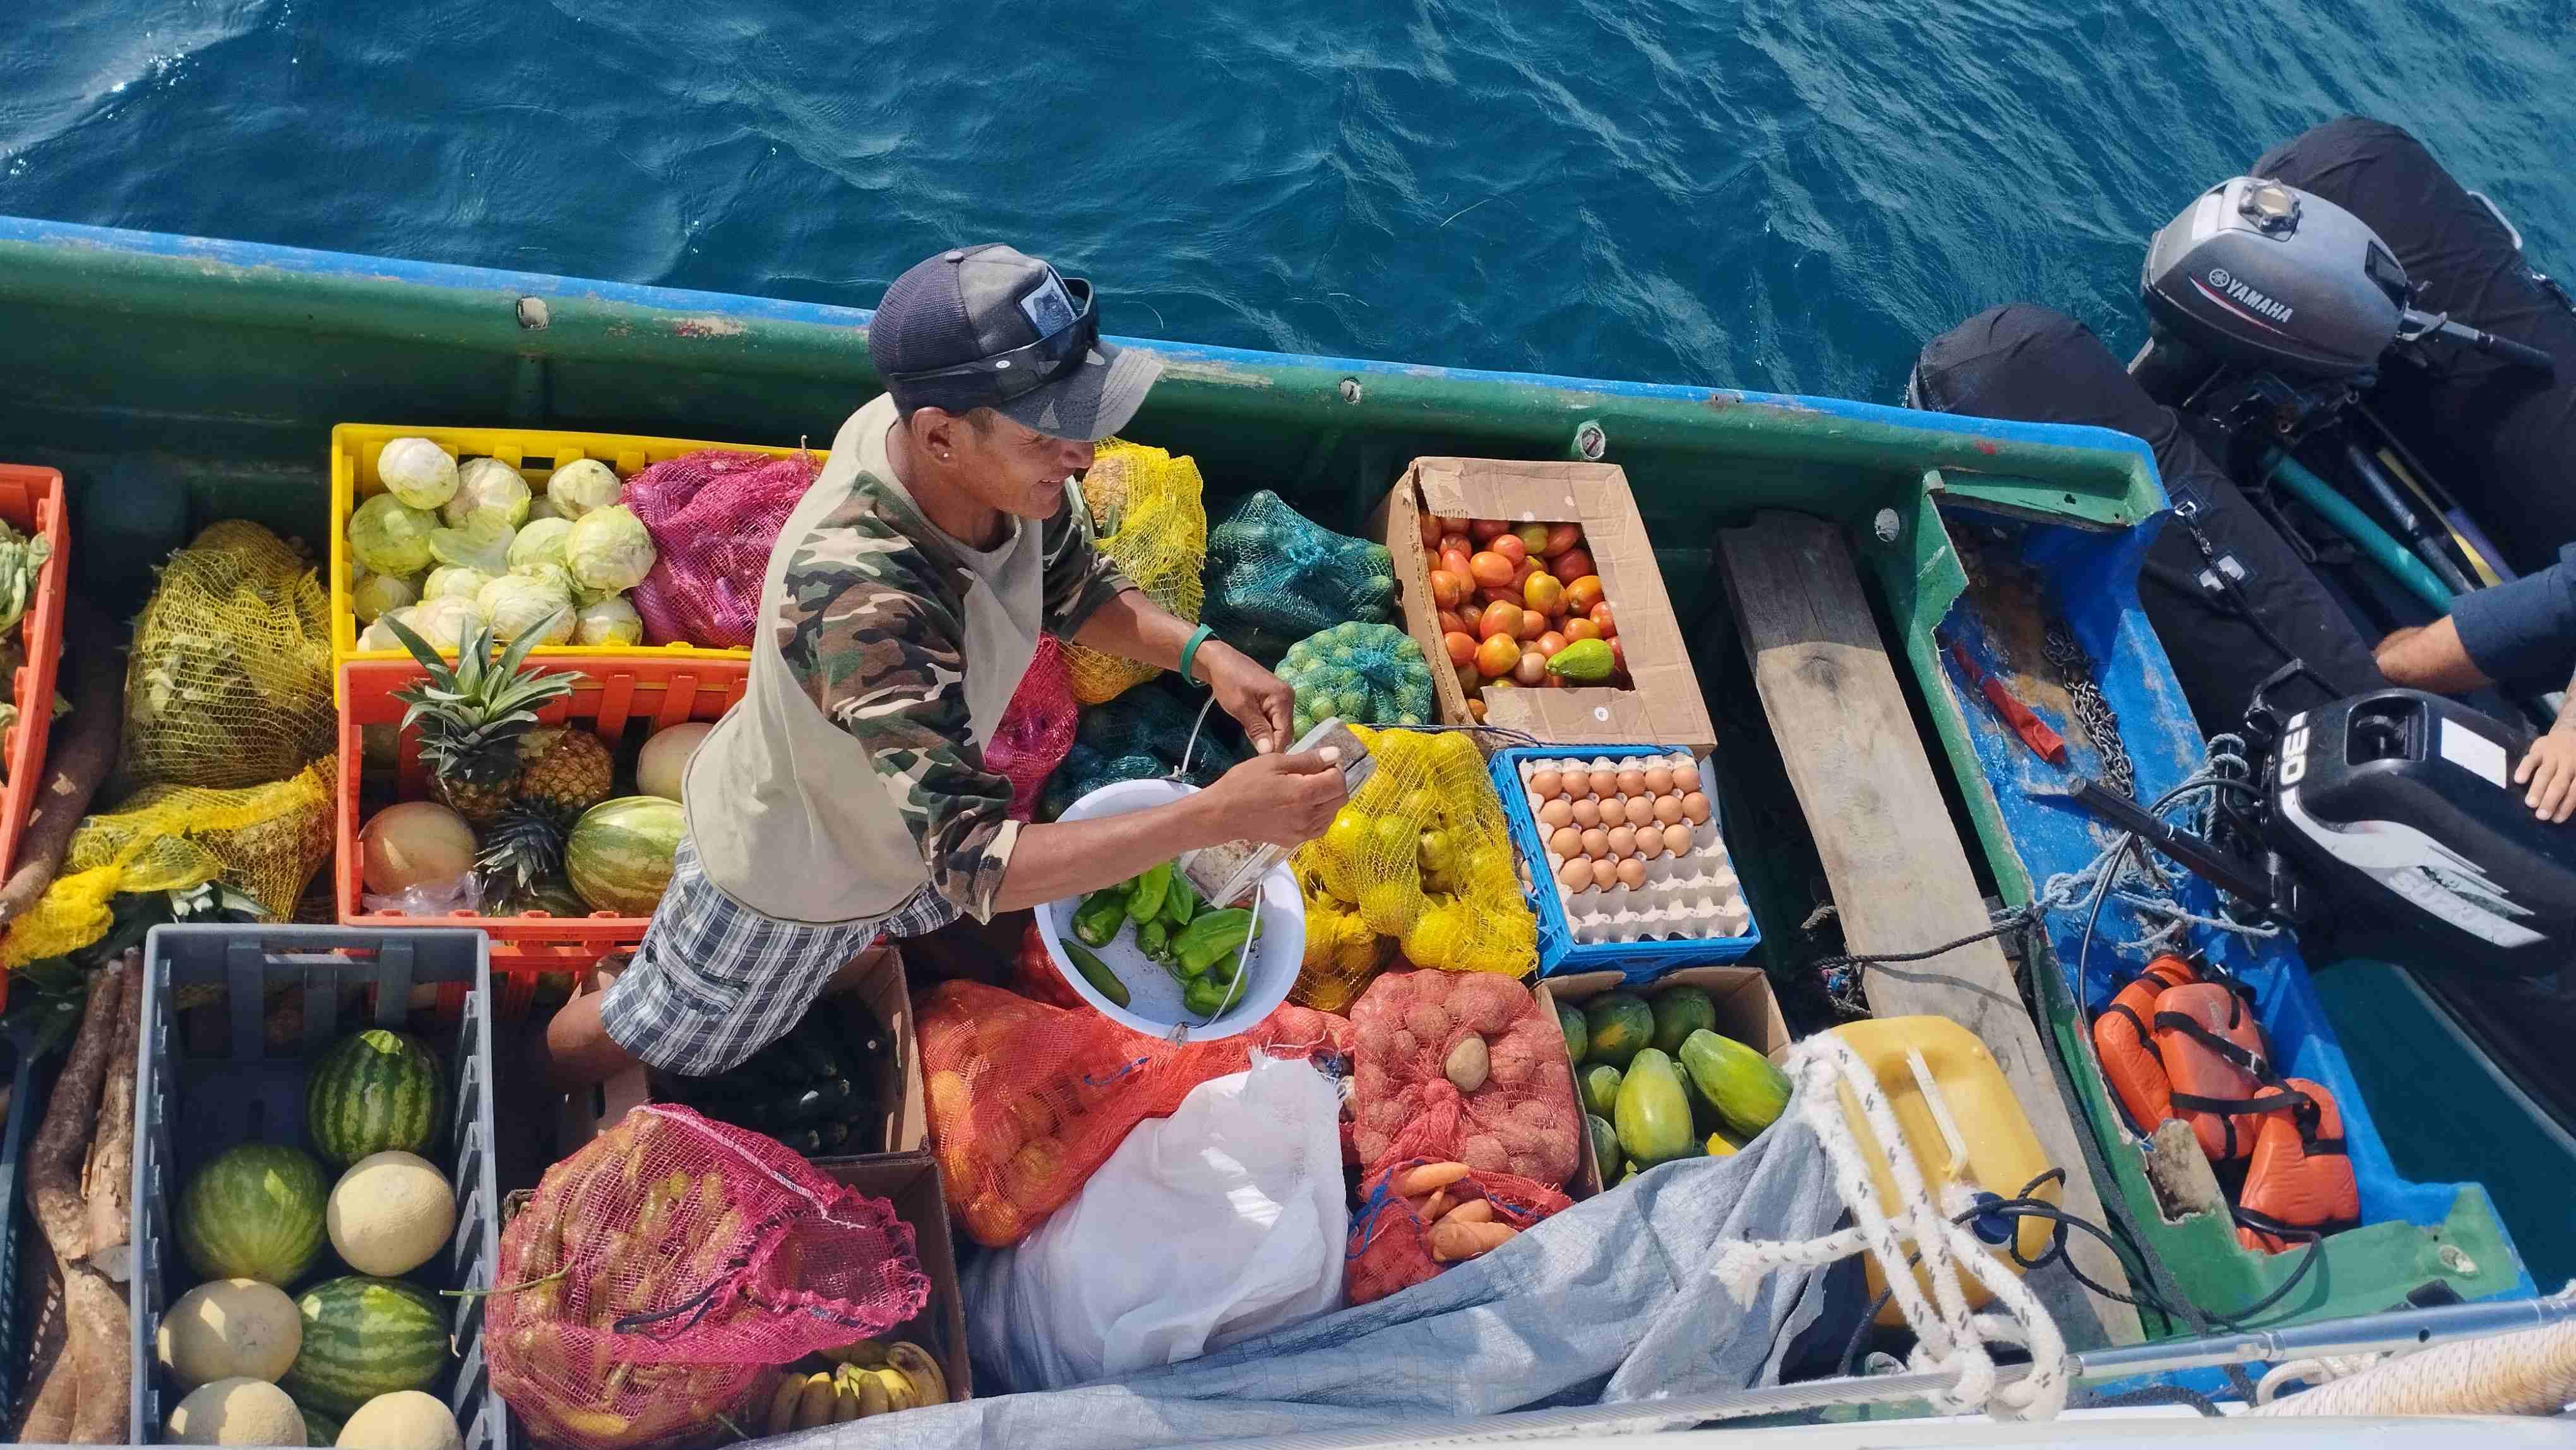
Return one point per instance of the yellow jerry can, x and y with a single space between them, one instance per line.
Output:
1963 1123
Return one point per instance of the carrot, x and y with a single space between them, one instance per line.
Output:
1414 1182
1453 1243
1474 1210
111 1155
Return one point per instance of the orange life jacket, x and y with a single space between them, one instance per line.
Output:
2220 1074
2300 1176
2127 1048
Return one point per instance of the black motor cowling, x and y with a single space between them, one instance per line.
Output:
2260 274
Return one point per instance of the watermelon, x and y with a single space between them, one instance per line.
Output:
365 1337
254 1213
376 1090
619 853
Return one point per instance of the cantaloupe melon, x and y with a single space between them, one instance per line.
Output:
390 1213
403 1420
238 1411
229 1329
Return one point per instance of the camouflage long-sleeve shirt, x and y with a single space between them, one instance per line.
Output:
914 644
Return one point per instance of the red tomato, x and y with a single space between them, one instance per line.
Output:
1482 529
1549 643
1602 620
1449 620
1499 618
1504 595
1581 629
1452 525
1533 624
1455 561
1618 658
1498 655
1542 593
1447 589
1581 594
1561 537
1462 647
1571 565
1531 669
1490 569
1430 533
1456 539
1510 547
1533 537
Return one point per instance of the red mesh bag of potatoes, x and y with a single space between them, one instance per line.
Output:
1027 1100
1417 1218
1463 1066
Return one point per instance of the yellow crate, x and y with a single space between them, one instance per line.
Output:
536 453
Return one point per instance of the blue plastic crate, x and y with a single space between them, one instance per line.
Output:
189 1106
1559 954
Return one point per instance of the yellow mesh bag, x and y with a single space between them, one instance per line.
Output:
1418 860
1146 507
229 685
265 841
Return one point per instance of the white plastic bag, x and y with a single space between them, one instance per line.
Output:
1223 1221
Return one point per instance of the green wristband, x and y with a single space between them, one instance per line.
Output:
1189 652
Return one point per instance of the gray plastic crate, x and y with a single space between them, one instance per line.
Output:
26 1105
190 1107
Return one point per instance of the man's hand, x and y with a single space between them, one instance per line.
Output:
1261 702
1285 800
2549 768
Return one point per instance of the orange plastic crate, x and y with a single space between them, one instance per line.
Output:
31 499
609 694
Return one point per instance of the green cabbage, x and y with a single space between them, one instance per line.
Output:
487 488
461 581
610 621
391 537
483 544
540 541
517 604
582 485
418 472
609 548
376 593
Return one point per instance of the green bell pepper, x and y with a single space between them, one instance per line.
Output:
1146 893
1097 920
1203 998
1180 903
1154 939
1210 935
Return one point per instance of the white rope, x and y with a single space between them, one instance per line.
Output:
1949 1338
2531 1373
2324 1369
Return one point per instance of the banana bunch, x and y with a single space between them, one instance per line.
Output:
867 1378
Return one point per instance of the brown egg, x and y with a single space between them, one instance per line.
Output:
1632 873
1668 809
1596 843
1694 808
1545 782
1685 778
1659 779
1604 875
1650 842
1676 838
1631 781
1556 813
1575 875
1578 783
1623 840
1614 810
1565 843
1605 782
1587 811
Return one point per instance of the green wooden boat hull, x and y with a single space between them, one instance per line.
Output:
176 380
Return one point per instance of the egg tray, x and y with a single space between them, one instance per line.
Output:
1689 910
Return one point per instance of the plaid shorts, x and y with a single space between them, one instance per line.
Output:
715 981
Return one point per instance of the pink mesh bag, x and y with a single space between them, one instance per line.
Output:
1520 1120
1390 1248
662 1271
714 516
1036 731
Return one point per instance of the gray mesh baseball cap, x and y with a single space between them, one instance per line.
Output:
989 326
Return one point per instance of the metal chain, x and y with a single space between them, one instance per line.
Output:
2101 724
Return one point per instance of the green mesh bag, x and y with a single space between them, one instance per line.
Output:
1366 674
1138 736
1275 576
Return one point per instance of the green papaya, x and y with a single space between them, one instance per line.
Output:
1679 1012
1722 1146
1653 1116
1705 1118
1605 1147
1620 1023
1747 1091
1600 1089
1578 1037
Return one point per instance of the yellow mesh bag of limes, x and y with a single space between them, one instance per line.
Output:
1148 515
1418 862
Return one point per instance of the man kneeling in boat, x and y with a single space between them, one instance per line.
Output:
845 797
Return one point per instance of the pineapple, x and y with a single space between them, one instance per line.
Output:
565 769
520 855
472 716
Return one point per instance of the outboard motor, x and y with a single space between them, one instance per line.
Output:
2257 276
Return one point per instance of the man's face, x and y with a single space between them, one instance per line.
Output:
1016 468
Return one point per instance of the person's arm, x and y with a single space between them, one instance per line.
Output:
2430 657
2548 768
1089 602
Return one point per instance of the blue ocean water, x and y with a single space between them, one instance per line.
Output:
1786 194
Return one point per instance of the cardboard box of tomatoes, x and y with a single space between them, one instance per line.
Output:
1533 582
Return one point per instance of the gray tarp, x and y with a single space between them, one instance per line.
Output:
1609 1301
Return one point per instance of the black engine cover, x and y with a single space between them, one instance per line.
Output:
2400 810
